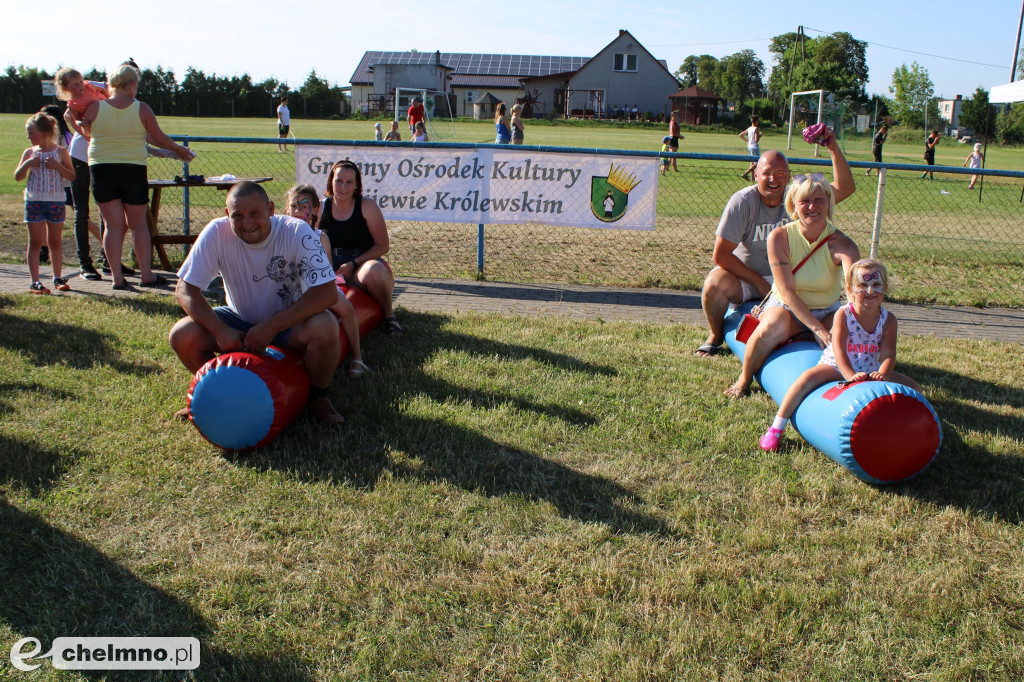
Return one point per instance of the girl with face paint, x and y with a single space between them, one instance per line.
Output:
863 345
302 202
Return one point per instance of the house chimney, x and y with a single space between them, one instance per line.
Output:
437 57
621 31
959 96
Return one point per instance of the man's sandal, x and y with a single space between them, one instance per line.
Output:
708 350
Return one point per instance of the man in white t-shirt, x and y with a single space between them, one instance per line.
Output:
284 122
279 284
740 254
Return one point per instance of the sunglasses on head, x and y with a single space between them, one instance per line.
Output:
814 177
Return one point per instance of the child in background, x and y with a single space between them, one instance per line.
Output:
863 345
753 137
45 165
378 134
420 133
303 202
393 134
666 147
975 158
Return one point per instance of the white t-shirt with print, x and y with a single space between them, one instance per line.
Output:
261 279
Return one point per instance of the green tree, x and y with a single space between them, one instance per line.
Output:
740 77
911 89
1010 124
157 89
700 70
836 62
974 112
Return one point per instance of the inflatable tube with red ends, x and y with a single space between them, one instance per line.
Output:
368 311
240 401
881 431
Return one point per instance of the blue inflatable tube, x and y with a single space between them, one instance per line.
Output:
881 431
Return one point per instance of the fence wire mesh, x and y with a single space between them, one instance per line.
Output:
942 242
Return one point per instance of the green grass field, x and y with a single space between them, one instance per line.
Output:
511 500
936 235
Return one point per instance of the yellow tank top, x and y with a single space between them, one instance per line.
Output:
819 281
118 136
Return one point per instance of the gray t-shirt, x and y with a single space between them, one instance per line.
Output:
747 221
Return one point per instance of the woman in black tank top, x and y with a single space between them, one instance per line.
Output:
359 238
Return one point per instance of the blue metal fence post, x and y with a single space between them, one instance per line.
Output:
184 213
480 250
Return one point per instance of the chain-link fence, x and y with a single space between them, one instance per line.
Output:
942 242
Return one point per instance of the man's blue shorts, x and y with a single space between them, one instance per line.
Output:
231 319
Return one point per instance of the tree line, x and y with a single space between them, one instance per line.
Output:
837 62
197 94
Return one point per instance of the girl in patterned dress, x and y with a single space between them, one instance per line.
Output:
863 345
44 167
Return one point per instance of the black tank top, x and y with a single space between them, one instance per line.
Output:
351 236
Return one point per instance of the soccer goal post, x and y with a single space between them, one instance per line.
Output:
438 116
793 113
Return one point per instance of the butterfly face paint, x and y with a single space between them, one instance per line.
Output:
869 282
301 208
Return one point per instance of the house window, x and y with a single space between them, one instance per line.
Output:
625 62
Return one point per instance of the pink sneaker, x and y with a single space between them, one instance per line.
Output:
770 440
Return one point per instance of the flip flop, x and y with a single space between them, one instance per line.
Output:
356 369
711 350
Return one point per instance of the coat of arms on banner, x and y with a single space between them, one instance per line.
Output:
609 195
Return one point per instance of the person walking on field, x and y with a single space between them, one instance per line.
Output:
415 114
284 123
876 145
976 159
929 152
673 133
752 135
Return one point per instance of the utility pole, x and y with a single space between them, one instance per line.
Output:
1016 47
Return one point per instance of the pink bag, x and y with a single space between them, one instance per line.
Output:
819 133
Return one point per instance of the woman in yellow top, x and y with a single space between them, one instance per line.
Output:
808 299
119 128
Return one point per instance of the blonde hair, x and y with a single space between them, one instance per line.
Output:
123 75
44 123
798 192
61 80
516 108
869 265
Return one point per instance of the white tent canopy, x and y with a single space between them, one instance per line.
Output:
1007 93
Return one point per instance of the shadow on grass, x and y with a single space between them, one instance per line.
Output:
56 585
147 305
966 475
47 342
25 464
439 450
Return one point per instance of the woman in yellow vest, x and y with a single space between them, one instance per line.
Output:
807 299
119 128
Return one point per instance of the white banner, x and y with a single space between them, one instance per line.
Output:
496 185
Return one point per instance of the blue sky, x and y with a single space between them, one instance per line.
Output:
961 45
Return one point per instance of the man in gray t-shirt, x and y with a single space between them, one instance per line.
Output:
741 270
